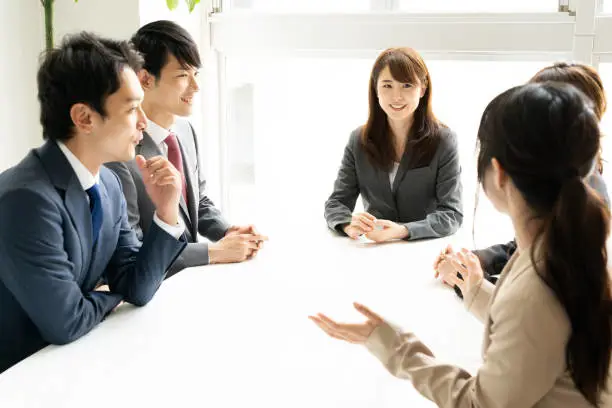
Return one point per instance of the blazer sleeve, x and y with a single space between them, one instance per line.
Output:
525 357
494 258
37 271
211 223
136 271
448 214
478 300
341 203
194 254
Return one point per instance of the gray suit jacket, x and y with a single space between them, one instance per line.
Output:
200 216
427 200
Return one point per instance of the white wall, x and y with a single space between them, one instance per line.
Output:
21 34
111 18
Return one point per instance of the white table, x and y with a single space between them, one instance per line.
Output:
238 335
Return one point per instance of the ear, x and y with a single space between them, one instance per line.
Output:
500 177
423 90
147 81
82 117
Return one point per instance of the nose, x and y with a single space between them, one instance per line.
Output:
397 94
195 86
141 124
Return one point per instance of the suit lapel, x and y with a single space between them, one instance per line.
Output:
401 171
78 207
63 178
192 196
148 149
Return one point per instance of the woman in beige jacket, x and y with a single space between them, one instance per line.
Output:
548 333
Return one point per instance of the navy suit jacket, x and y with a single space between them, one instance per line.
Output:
48 268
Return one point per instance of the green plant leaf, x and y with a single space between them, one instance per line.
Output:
172 4
191 4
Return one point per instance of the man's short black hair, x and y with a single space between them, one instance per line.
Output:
84 69
158 40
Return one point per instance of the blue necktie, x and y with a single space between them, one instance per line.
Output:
95 205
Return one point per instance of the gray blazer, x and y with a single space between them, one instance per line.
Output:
427 200
201 216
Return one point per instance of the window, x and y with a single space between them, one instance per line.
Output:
302 6
290 119
479 6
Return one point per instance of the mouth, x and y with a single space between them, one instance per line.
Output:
188 100
138 139
397 108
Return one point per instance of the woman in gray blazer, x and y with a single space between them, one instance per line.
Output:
403 161
548 333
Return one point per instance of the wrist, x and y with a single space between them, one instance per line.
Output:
403 232
213 253
170 217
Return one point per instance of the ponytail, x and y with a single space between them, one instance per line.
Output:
575 268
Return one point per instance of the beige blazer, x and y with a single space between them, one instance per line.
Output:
524 365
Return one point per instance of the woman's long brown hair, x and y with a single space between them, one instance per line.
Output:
406 66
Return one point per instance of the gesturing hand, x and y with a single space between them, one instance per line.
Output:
357 333
164 186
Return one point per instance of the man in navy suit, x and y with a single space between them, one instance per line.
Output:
63 218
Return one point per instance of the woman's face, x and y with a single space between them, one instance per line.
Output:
397 99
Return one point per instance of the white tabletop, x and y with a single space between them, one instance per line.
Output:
238 335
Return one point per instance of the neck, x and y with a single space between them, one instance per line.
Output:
161 117
525 225
90 159
400 130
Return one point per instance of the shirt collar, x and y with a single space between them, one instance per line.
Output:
85 177
157 133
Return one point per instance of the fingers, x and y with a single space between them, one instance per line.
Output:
367 312
385 223
368 216
141 162
338 331
364 225
354 232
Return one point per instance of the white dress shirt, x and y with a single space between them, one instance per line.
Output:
87 181
393 172
158 134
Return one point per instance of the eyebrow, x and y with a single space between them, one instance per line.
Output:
132 100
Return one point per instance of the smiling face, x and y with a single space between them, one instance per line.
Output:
173 91
399 100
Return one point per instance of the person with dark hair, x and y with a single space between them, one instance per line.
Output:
586 79
403 161
548 328
63 216
169 78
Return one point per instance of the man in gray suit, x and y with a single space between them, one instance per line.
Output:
169 80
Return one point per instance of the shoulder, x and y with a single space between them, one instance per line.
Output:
26 178
526 296
447 138
184 129
110 180
355 137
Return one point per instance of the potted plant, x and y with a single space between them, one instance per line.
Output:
48 7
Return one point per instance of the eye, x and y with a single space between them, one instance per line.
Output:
407 85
